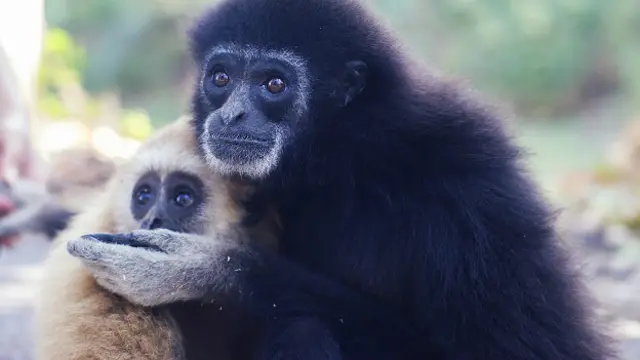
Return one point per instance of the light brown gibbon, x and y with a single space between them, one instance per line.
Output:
165 185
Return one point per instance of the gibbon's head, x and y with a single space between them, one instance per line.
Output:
277 78
167 185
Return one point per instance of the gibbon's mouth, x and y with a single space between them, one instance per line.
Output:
121 239
245 140
240 150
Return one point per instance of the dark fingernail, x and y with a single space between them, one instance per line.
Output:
116 239
122 239
105 238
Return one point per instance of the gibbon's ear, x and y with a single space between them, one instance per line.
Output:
353 81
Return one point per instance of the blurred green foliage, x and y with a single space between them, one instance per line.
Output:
63 62
136 124
543 56
61 95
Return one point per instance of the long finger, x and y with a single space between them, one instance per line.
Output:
166 240
107 254
127 239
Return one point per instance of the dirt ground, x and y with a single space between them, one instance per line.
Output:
20 269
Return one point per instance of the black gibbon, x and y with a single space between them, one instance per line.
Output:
394 187
165 185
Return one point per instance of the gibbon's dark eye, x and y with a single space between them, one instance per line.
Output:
220 78
143 195
184 198
275 85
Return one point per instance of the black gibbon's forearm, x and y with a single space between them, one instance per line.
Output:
271 287
311 339
270 284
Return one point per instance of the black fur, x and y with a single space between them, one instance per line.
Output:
413 194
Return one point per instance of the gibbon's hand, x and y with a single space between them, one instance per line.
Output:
158 267
151 267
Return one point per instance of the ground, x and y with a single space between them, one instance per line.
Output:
20 269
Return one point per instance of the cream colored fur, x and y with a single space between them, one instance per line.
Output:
77 319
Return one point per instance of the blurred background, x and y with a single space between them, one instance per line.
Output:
102 75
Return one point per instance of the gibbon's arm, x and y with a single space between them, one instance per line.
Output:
77 319
46 218
156 267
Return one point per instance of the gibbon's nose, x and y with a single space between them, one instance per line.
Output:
233 118
156 223
153 223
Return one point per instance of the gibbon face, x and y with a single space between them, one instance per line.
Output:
172 201
168 185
